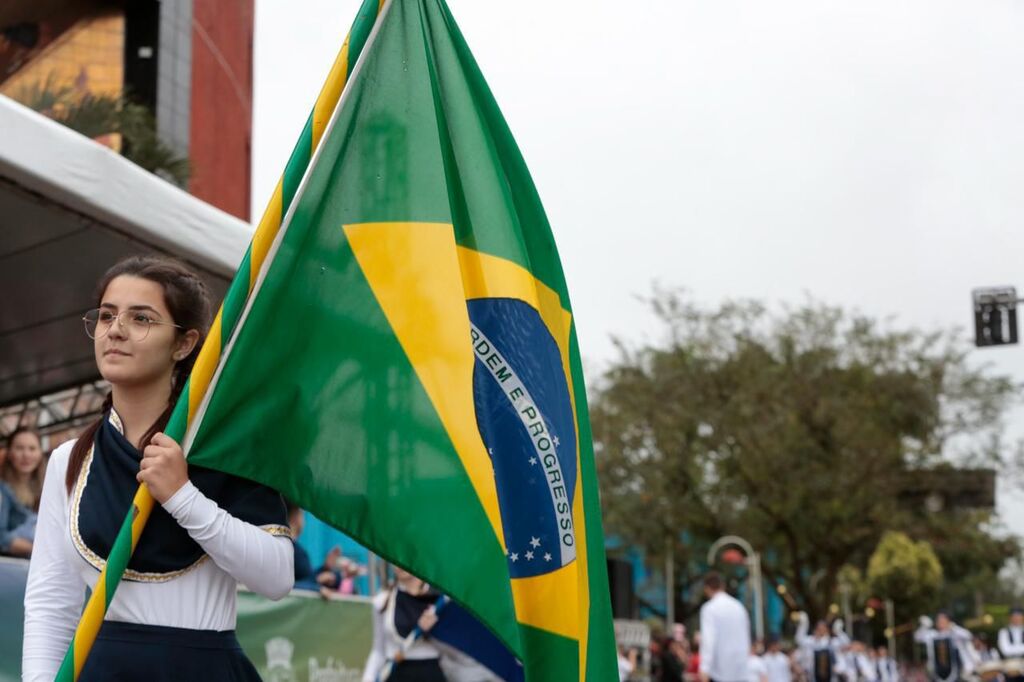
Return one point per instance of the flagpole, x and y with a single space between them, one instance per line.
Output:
220 332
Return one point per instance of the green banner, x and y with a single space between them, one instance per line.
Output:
306 639
301 638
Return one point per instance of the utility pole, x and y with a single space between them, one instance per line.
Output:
890 627
670 584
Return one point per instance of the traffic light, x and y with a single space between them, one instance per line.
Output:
995 316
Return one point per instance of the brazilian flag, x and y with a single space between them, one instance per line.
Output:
406 366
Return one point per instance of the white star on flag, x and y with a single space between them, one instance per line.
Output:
533 460
514 557
556 441
529 556
547 556
535 542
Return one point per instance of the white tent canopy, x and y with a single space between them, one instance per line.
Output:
69 209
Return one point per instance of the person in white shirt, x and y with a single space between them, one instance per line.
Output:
983 653
627 663
886 669
173 616
860 663
846 654
777 662
948 647
1011 638
725 634
821 651
757 671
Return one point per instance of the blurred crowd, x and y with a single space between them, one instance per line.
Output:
825 653
335 575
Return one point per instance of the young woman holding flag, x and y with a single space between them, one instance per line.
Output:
173 617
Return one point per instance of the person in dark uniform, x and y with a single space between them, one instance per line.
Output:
819 651
948 648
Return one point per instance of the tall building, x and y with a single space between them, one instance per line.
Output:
187 61
69 208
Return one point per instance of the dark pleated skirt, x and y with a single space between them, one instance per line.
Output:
126 652
428 670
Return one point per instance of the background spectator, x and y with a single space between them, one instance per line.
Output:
305 579
673 660
338 573
17 524
627 663
24 468
693 662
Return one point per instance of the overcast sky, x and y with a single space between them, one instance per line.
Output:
869 153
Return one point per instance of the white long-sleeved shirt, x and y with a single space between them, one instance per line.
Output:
386 640
778 666
1011 642
203 598
724 639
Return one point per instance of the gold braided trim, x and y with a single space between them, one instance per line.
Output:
95 560
276 530
115 419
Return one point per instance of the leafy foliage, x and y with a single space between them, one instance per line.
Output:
797 431
905 571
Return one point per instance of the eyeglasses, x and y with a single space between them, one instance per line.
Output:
136 323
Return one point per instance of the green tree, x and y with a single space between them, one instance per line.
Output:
794 430
907 572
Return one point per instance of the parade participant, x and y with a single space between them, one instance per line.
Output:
947 644
777 662
820 651
846 659
757 671
173 616
1011 644
860 664
1011 638
983 653
397 611
724 634
886 669
23 470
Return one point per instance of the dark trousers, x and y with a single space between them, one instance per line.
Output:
427 670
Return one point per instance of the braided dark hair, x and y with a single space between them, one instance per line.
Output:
188 300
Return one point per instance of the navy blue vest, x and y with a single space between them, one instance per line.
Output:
103 495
